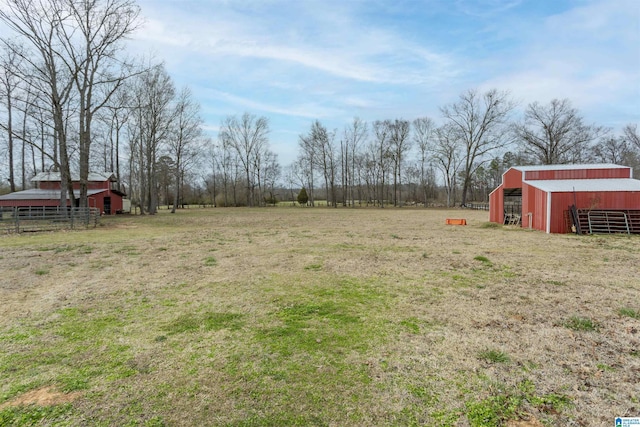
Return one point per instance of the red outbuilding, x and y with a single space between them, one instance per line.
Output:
542 197
102 189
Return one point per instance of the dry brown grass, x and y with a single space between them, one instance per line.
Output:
322 317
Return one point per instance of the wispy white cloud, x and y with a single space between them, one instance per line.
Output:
332 60
588 54
304 110
485 8
345 48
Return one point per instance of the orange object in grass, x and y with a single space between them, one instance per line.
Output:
451 221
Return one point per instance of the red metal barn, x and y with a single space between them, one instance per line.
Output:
102 190
540 196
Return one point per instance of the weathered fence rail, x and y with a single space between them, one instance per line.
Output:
477 206
45 218
594 221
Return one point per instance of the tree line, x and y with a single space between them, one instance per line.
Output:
398 162
72 101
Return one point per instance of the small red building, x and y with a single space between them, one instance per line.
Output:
542 195
103 193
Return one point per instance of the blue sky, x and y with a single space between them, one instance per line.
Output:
297 61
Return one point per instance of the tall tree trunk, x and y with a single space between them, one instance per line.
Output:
12 181
177 179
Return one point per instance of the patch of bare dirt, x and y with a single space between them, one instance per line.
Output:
525 423
45 396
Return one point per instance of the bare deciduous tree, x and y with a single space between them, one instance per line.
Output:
93 62
225 163
37 23
381 156
354 137
612 150
319 147
423 136
187 131
631 134
115 116
326 151
478 121
449 157
631 137
306 165
399 145
249 137
10 61
149 131
76 44
555 133
268 173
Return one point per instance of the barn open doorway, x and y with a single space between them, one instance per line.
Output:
512 206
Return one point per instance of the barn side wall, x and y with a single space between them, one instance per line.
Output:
512 179
578 174
49 185
97 201
117 204
27 203
496 205
527 206
534 202
91 185
605 200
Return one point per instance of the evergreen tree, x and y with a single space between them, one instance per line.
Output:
303 198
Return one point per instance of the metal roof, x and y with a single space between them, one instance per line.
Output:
37 194
93 177
569 167
569 185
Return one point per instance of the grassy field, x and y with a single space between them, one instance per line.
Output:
317 317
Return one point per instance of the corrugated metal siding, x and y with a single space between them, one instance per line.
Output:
46 185
560 202
18 203
496 205
512 179
91 185
570 166
629 200
600 200
116 202
526 206
556 174
96 185
96 200
540 210
534 202
578 174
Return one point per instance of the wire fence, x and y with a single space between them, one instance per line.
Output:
47 218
